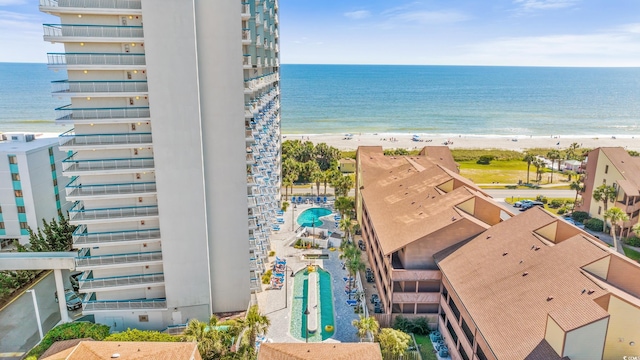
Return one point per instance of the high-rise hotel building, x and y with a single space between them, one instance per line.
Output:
174 157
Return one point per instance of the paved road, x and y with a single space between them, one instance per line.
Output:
18 326
507 193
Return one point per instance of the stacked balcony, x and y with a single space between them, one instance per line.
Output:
78 191
70 141
122 305
78 115
83 238
96 61
85 261
72 166
91 6
78 215
66 33
120 282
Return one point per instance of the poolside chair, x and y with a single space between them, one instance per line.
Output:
324 200
352 302
299 199
318 199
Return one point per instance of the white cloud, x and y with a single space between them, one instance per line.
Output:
531 5
615 47
356 15
430 17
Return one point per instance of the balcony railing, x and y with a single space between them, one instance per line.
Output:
145 304
116 259
70 138
246 36
74 190
83 238
96 59
110 31
144 280
97 4
66 86
79 213
245 11
68 113
71 164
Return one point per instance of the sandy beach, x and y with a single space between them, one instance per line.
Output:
518 143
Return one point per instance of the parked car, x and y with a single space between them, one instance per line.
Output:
73 300
521 202
531 204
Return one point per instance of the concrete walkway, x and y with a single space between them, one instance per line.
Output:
272 302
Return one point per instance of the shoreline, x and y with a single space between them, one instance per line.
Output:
466 141
457 141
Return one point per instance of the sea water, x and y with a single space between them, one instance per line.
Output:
471 100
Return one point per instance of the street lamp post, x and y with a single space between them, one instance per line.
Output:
293 218
35 305
306 324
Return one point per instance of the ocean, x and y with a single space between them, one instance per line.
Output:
446 100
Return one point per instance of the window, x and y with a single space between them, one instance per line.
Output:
480 353
0 209
445 293
15 177
599 210
604 181
57 197
606 169
55 182
1 224
467 331
143 318
17 193
13 159
453 334
24 225
50 151
463 354
454 309
21 209
53 167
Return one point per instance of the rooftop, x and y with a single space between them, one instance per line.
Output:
134 350
319 351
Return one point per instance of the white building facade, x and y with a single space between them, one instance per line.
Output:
174 167
30 185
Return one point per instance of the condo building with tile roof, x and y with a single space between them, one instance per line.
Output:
613 166
530 286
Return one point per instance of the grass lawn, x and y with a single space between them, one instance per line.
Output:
502 171
426 349
631 254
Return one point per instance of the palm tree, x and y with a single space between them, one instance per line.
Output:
529 159
286 182
350 251
553 155
343 204
365 326
577 187
346 226
316 177
539 165
616 215
256 324
605 194
211 342
354 265
571 151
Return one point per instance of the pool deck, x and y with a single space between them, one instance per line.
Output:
272 302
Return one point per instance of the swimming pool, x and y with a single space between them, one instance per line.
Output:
324 309
311 217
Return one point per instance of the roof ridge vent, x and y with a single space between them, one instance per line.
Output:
549 298
525 273
505 253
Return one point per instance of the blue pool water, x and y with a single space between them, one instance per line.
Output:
324 309
311 217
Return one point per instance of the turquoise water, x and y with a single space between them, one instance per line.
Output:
325 306
311 217
480 100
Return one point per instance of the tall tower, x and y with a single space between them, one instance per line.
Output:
174 157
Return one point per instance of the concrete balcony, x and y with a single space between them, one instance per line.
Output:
92 33
96 61
120 282
415 297
83 238
246 61
73 167
246 37
100 88
77 191
415 275
70 141
117 260
245 11
68 114
629 209
79 215
112 305
119 7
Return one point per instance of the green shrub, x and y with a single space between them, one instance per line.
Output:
68 331
419 326
580 216
562 210
542 199
633 241
593 224
266 277
556 203
485 159
142 335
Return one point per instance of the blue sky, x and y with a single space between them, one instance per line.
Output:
438 32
